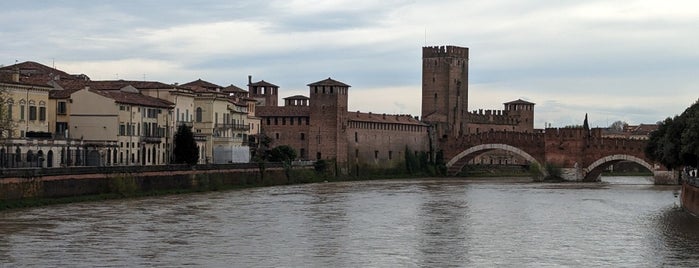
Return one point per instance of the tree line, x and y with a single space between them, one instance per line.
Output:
676 142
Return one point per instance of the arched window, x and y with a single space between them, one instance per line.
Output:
32 110
199 115
42 111
10 102
22 104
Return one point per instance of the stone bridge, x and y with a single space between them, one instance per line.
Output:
581 154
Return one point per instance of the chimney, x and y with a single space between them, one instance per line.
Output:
15 75
249 79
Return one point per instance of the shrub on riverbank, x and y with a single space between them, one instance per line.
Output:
123 184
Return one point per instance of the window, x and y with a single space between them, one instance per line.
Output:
276 135
42 113
62 108
356 137
21 111
32 112
303 136
198 114
390 155
376 154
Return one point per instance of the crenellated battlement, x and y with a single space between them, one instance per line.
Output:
444 51
498 117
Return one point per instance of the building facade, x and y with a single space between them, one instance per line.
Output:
320 127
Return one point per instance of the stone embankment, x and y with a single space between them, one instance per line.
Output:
70 182
689 197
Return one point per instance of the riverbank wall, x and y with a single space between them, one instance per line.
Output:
37 183
689 197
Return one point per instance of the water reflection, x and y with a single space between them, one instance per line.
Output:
326 218
678 234
443 229
398 223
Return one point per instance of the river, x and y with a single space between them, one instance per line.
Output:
388 223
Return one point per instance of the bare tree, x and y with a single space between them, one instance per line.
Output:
6 123
618 126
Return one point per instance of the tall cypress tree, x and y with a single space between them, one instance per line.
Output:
186 150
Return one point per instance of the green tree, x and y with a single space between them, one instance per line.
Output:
282 153
186 149
676 142
690 136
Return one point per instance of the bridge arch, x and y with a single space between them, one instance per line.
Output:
594 170
457 162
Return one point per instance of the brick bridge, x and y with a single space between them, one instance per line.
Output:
582 154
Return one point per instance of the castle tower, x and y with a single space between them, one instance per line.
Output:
328 121
523 113
445 89
265 93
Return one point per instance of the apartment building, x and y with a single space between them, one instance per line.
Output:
121 127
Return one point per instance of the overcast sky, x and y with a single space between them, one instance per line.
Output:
636 61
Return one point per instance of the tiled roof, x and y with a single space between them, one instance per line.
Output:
133 98
201 86
7 79
233 89
383 118
70 86
297 97
520 101
328 82
36 73
263 83
642 129
237 101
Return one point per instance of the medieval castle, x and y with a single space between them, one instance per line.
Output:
321 127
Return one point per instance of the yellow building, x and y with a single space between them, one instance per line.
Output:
212 125
126 127
26 137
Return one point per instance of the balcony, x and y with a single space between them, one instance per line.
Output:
186 123
151 139
232 126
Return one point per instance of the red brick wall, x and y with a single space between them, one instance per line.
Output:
445 88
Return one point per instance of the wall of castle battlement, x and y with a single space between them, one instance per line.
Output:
573 132
498 117
484 137
444 51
